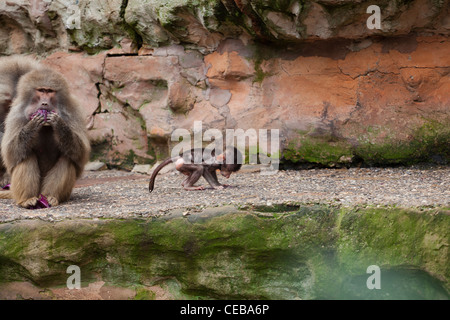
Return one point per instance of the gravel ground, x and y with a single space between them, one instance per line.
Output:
119 194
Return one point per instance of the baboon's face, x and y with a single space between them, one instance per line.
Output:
44 101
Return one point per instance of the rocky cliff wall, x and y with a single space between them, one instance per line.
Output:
339 92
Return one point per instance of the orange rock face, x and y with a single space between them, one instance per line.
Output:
357 97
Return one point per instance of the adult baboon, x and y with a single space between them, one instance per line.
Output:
45 144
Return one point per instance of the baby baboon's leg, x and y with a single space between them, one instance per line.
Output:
194 173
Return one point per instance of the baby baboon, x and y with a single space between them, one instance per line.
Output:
194 170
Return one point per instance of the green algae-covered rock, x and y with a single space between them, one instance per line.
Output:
315 251
373 146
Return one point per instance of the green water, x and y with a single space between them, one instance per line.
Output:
395 284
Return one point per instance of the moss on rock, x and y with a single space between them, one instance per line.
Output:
427 143
322 150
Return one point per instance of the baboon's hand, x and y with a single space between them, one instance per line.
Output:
37 122
58 124
54 119
64 135
31 129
